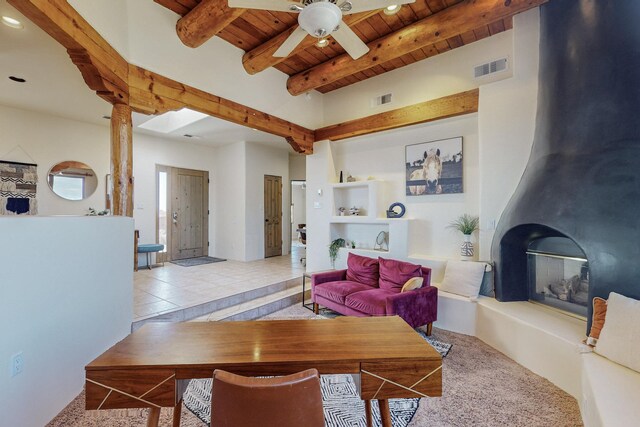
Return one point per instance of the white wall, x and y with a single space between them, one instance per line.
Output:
262 160
32 137
297 167
382 156
149 151
321 172
445 74
506 124
230 206
66 296
497 142
236 172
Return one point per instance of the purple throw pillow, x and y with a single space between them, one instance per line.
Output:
362 269
394 274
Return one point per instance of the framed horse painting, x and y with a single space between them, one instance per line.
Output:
434 167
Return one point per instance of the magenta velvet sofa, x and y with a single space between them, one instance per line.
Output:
372 287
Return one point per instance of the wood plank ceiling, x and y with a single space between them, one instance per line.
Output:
255 27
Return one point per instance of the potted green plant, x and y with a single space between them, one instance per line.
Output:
333 250
467 225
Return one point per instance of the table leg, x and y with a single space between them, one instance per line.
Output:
177 411
385 414
154 417
367 411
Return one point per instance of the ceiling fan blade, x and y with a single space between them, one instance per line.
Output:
277 5
291 42
358 6
350 41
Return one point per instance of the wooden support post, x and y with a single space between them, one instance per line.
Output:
121 161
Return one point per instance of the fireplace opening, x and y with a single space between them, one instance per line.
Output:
558 273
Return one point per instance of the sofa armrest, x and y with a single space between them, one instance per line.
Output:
328 276
418 307
426 275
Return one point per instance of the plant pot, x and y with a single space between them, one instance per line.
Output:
466 249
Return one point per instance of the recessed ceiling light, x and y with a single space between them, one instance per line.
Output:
322 43
11 22
17 79
392 9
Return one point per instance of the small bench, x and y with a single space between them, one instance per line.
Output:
148 249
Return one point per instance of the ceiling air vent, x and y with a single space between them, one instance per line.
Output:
381 100
490 68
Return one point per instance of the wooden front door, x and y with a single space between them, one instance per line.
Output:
272 216
188 213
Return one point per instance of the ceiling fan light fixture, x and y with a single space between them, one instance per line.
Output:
320 19
392 9
322 43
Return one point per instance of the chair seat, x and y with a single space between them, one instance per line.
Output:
150 247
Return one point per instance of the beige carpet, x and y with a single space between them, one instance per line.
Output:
481 387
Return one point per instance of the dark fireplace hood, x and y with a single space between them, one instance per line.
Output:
582 180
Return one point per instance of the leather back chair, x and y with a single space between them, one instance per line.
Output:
290 401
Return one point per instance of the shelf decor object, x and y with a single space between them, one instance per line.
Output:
467 225
396 210
382 242
333 250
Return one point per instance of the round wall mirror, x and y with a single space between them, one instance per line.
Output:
72 180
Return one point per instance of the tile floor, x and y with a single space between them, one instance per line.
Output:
172 287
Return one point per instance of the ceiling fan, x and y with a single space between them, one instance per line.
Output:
320 19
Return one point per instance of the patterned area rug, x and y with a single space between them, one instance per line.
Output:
197 261
340 400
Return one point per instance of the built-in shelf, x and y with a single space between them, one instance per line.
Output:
355 219
365 251
354 184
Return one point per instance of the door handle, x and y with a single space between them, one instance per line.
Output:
175 217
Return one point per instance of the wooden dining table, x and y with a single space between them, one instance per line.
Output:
151 366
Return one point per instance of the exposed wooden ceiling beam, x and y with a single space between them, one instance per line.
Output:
448 23
441 108
261 57
119 82
205 21
102 68
155 94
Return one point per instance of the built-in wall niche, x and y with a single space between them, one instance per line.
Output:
364 195
364 235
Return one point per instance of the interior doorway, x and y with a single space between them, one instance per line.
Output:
182 213
299 219
272 216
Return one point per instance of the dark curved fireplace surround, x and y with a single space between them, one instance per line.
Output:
582 180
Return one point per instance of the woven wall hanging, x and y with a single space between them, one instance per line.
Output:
18 184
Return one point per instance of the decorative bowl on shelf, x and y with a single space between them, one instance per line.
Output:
396 210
